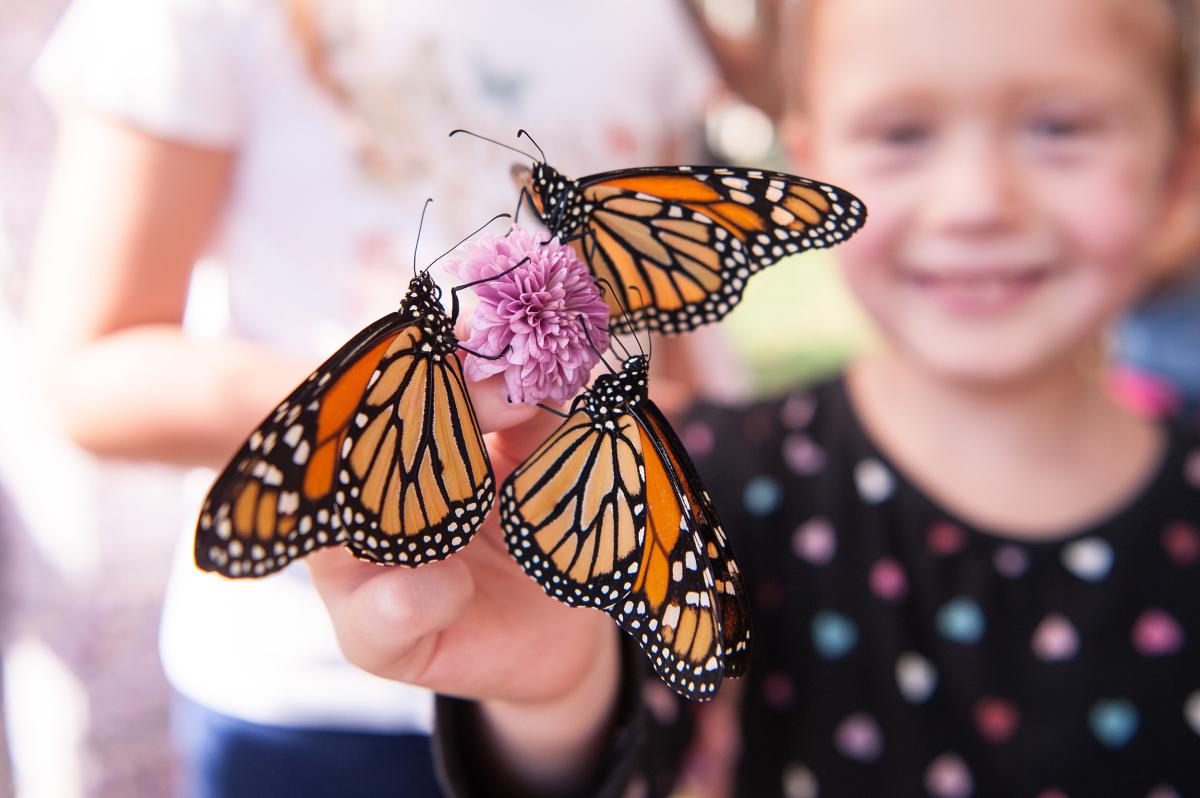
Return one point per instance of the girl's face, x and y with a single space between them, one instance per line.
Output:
1016 157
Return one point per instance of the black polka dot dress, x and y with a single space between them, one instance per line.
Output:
898 651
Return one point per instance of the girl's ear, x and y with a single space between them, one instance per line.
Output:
795 133
1178 241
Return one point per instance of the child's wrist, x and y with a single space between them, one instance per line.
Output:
553 745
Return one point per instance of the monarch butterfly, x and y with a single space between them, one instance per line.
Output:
610 513
379 449
687 238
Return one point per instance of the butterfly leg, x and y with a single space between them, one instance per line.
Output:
522 198
454 291
496 356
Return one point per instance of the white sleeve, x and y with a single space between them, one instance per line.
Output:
169 67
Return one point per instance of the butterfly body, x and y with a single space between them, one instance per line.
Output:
679 243
377 449
610 513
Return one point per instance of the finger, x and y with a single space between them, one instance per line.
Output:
387 618
492 407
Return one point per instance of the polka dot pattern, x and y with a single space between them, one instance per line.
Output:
762 495
815 542
949 777
1090 559
833 634
1114 721
961 620
915 654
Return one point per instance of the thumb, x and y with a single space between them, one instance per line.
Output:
516 429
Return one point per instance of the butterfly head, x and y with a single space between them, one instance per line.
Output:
423 302
611 394
423 288
555 196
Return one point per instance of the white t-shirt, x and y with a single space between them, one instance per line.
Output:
315 244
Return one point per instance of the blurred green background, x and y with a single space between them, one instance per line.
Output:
797 323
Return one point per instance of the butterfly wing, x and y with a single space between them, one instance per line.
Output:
273 502
679 243
572 513
673 610
415 480
728 587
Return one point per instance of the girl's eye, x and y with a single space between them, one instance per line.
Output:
1058 127
903 135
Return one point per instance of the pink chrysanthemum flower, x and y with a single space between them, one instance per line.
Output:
534 311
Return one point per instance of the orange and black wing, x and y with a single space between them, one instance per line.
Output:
573 512
274 500
679 243
415 480
673 610
729 588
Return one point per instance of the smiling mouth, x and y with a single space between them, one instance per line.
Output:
979 290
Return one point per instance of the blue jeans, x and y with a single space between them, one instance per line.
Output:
225 757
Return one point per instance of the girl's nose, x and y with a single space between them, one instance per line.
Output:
973 190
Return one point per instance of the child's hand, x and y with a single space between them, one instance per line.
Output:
475 626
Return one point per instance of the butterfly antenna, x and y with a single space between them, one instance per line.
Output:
591 344
605 285
525 133
420 224
625 309
468 238
497 143
649 338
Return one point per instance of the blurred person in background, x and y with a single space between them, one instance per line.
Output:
972 572
287 147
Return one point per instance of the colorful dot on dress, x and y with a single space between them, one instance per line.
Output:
698 438
761 495
875 482
996 719
1191 469
1090 559
661 702
1182 543
948 777
1163 791
833 634
961 621
798 410
888 580
1156 633
1055 639
799 782
804 457
858 737
1011 561
778 690
945 538
1114 721
1191 711
916 677
814 541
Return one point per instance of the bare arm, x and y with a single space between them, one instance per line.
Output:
125 217
751 65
